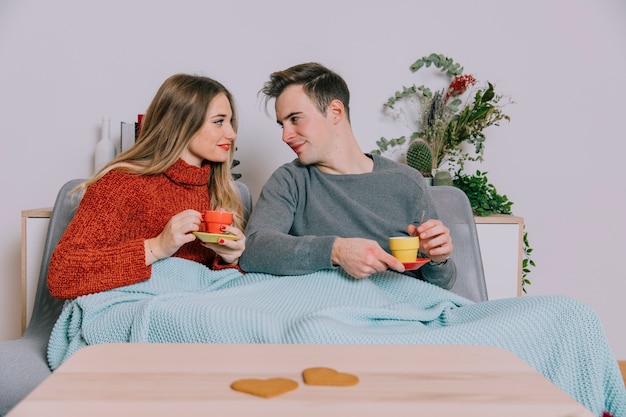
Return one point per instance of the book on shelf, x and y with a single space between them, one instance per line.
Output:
138 125
130 133
127 136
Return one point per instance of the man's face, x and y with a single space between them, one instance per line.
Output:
307 131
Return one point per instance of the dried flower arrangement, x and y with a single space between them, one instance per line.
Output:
446 118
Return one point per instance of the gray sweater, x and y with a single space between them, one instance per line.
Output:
301 211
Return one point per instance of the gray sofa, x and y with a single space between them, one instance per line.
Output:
23 363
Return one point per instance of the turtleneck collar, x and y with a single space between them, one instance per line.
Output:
183 173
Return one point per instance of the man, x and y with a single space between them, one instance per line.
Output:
336 206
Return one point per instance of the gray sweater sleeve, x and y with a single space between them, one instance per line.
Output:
270 247
443 276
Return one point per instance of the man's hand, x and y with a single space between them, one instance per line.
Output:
363 257
435 240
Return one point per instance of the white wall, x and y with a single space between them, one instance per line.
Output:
64 64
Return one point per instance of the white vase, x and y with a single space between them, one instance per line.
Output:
105 148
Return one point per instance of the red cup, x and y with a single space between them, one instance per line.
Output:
216 219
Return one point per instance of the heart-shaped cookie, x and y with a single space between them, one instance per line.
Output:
266 388
328 376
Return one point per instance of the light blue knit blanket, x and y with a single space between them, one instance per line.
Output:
185 302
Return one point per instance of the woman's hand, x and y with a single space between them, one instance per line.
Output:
228 249
175 234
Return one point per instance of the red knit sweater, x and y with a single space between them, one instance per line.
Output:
103 246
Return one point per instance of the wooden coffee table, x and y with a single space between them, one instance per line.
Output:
395 380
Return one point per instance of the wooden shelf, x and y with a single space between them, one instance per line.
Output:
501 238
499 219
34 229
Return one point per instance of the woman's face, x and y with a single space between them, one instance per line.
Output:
216 136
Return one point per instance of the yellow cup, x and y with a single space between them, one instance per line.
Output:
404 248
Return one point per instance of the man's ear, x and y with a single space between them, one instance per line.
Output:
336 111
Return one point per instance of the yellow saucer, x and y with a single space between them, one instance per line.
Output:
213 237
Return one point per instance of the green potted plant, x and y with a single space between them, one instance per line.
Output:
485 201
444 122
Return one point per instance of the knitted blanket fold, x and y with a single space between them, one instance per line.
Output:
185 302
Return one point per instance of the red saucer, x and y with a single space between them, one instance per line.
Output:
412 266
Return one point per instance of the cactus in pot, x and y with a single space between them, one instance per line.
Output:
419 156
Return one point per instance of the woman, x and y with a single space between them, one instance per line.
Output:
144 205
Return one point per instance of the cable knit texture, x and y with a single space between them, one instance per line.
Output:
103 246
185 302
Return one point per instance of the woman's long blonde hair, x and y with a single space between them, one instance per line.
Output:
175 114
